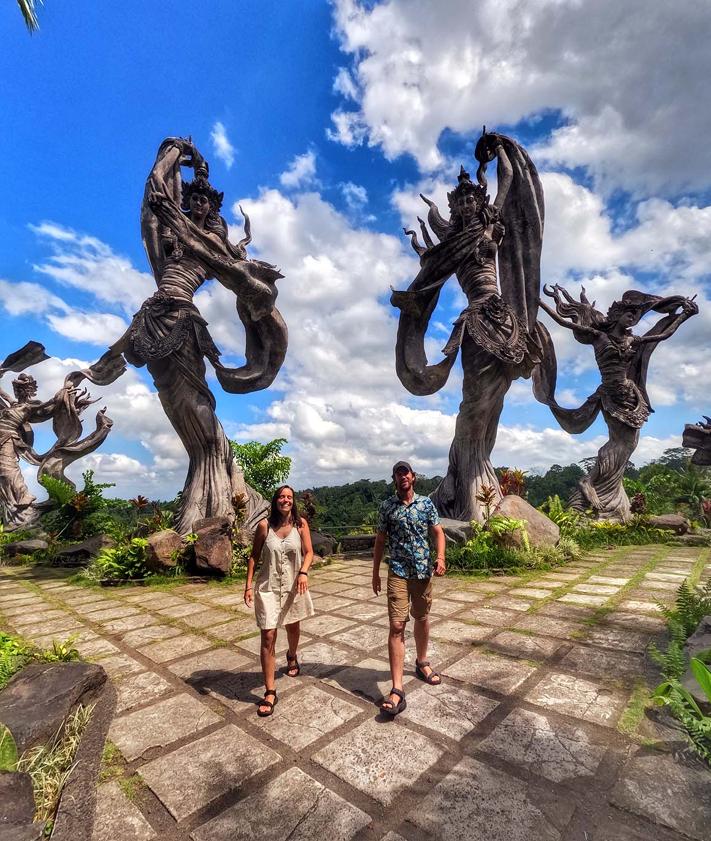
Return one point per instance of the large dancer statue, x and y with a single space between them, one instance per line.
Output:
497 332
622 396
18 507
186 241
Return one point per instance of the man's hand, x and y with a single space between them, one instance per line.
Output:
440 567
376 583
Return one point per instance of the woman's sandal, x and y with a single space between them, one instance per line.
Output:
296 668
270 704
391 709
433 678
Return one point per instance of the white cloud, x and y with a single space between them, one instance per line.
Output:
301 172
629 82
221 145
355 195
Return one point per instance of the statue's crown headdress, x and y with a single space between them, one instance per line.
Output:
465 186
24 384
201 185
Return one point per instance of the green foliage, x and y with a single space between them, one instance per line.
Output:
76 513
8 750
672 661
690 606
15 653
263 465
123 562
567 519
59 492
591 534
682 705
557 481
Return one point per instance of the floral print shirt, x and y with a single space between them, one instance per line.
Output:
407 528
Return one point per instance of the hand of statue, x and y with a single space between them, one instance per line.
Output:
103 420
689 307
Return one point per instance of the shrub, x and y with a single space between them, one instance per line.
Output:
121 563
75 514
16 652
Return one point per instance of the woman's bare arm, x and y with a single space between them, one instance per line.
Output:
689 308
260 535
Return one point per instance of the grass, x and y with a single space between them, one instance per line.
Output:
50 765
633 713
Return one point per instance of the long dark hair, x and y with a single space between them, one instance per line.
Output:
274 516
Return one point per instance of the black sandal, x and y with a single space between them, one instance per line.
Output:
430 678
295 661
270 704
393 709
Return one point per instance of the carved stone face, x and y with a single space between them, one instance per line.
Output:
25 388
467 207
199 207
629 318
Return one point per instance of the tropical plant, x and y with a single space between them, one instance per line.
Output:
567 519
512 481
8 750
120 563
29 13
263 465
77 513
692 488
487 496
683 706
691 604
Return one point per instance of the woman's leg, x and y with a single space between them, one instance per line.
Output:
293 631
266 655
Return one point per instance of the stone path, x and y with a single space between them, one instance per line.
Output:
535 735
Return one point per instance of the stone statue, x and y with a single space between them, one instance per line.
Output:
186 241
497 332
18 506
697 436
622 397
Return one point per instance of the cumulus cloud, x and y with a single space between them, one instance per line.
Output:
626 83
300 173
221 145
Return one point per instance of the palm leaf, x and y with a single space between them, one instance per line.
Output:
29 13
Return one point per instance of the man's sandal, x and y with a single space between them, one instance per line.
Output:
270 704
433 678
391 709
295 668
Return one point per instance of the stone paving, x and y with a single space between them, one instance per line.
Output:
532 736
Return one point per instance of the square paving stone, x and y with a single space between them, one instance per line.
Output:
666 792
530 592
293 807
171 649
555 750
306 716
18 610
139 689
464 633
153 633
33 617
552 627
636 621
321 626
117 818
216 660
379 760
579 698
59 627
179 610
674 578
606 579
363 638
596 589
491 616
363 611
96 648
160 724
206 618
369 678
189 778
525 645
438 652
232 630
442 607
560 576
319 658
332 587
329 603
243 690
234 601
107 613
636 605
474 801
602 664
500 674
464 596
579 598
619 638
253 644
129 623
356 593
119 665
450 710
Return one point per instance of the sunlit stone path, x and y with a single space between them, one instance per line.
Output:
535 735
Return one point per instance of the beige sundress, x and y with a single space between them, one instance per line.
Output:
276 602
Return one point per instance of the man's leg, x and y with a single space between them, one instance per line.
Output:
421 595
398 614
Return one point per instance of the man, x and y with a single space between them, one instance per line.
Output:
407 520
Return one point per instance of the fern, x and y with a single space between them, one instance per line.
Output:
60 492
690 606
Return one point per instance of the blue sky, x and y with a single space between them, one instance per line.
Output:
325 120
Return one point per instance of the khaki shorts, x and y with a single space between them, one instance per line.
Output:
415 593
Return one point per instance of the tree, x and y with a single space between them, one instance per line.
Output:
263 465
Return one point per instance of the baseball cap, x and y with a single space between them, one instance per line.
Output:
399 464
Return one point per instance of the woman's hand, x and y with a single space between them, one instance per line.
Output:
302 584
248 596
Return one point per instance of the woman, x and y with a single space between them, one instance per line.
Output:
622 359
282 543
497 332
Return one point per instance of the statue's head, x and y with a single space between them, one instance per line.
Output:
25 387
467 199
201 201
629 310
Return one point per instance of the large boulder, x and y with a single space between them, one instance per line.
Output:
163 549
213 547
674 522
456 532
323 544
17 803
24 547
357 542
38 699
698 644
79 554
542 531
